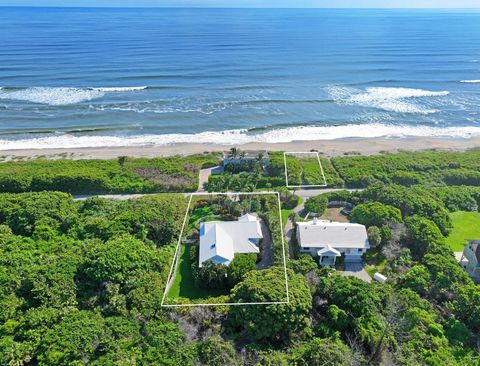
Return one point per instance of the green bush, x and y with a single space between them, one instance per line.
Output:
317 204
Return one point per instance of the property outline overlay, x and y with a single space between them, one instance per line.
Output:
175 261
285 153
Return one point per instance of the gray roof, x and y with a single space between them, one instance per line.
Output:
339 235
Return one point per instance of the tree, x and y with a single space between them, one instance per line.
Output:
374 236
272 321
316 204
211 276
304 264
375 214
423 233
466 306
325 352
119 259
76 338
417 279
239 267
214 351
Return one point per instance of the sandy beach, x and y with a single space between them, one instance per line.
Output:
328 148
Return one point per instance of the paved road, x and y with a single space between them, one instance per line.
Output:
306 193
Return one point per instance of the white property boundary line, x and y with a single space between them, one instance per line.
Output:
176 261
304 185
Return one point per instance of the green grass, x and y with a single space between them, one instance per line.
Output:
285 213
466 225
199 213
183 285
311 171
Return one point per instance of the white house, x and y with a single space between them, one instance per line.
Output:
328 240
220 240
470 259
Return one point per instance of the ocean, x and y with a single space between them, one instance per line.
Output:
131 77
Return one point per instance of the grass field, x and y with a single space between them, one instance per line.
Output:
183 285
466 225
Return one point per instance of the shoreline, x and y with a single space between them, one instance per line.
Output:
327 148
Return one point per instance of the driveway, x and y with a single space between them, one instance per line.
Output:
205 173
267 252
356 269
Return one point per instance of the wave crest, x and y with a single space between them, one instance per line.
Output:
56 96
391 99
242 136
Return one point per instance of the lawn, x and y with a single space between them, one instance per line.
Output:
183 285
466 225
198 214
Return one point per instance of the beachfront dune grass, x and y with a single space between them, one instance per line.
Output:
124 175
411 168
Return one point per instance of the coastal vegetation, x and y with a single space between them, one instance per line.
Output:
411 168
124 175
82 281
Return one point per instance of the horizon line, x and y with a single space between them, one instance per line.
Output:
237 7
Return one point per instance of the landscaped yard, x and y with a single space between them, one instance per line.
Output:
183 285
466 225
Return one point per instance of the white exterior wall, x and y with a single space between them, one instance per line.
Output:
472 266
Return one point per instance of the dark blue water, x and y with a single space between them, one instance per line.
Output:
96 77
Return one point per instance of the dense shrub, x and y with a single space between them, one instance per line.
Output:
375 214
316 205
125 175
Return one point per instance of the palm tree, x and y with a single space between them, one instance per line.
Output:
233 152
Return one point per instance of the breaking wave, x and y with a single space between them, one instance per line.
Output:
61 95
470 81
242 136
399 100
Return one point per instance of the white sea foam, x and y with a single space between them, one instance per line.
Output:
399 100
470 81
239 137
60 96
121 89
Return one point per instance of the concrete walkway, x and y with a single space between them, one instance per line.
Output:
356 269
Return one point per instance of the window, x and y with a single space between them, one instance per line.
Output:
360 250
